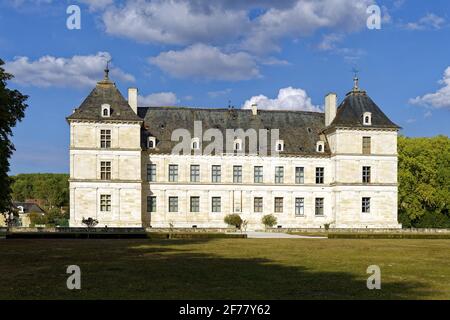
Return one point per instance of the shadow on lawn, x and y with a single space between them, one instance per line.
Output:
172 269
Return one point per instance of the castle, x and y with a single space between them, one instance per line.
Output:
337 168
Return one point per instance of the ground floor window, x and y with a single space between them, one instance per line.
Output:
278 204
319 207
299 206
173 204
151 204
366 205
105 202
195 204
215 204
258 204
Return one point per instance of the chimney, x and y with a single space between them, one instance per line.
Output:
330 108
254 109
132 98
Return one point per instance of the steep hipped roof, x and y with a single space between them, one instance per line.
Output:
105 92
351 110
298 129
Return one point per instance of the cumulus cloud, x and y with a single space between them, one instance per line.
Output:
158 99
78 71
207 62
288 99
438 99
429 21
97 4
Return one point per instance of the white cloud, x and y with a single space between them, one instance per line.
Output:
329 41
218 93
438 99
77 71
288 99
429 21
97 4
207 62
158 99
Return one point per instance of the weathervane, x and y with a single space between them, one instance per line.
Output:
355 79
107 69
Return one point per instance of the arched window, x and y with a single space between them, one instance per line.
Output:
279 145
367 118
320 146
195 144
237 145
151 143
106 110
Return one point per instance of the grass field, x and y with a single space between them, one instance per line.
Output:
225 268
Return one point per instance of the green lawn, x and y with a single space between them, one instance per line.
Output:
225 268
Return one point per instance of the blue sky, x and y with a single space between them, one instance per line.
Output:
286 54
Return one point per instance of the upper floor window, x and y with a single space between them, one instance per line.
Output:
366 145
299 175
216 173
173 204
319 175
278 204
105 139
367 118
151 143
106 110
279 174
105 170
173 172
258 204
258 174
151 204
299 206
320 146
195 144
237 174
195 173
215 204
279 145
195 204
151 172
366 174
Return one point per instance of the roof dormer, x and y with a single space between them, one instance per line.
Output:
367 118
106 110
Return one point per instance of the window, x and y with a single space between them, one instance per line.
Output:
299 175
319 175
105 139
195 204
279 146
195 145
319 207
320 146
278 204
105 202
366 174
105 170
366 145
106 110
215 173
195 173
367 118
173 172
151 172
151 204
237 174
258 174
365 205
299 206
215 204
279 174
173 204
258 204
237 145
151 142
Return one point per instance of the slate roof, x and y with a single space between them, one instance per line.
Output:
351 110
298 129
28 207
105 92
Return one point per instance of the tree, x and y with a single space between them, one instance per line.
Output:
269 220
233 220
12 110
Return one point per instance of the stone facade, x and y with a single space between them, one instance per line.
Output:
135 189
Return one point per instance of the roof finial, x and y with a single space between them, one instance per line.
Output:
107 69
355 80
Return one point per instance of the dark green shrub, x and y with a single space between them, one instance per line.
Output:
269 220
233 220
